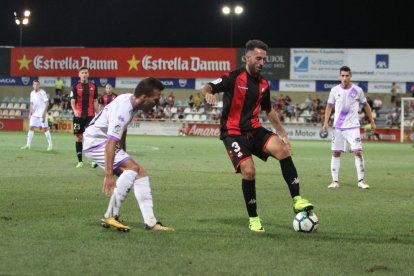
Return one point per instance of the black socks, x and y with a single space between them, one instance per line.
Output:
290 175
78 146
249 193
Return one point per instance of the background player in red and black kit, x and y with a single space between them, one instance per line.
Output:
107 97
84 102
246 92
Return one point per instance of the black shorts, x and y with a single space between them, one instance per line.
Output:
241 147
80 123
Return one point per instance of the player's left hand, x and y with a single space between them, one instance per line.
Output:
108 185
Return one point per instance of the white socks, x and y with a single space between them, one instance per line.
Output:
123 185
360 166
48 138
335 164
30 137
143 195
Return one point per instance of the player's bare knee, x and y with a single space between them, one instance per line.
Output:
248 172
283 153
141 171
336 154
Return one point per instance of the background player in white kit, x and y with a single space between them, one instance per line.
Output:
347 97
39 103
104 143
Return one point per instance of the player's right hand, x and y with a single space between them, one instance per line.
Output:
108 185
325 128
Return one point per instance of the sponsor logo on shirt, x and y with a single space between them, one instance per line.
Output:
117 129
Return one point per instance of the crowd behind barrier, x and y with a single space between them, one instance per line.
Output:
311 110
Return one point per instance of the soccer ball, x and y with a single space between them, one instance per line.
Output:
323 134
305 222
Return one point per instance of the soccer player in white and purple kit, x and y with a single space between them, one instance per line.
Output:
346 98
105 144
39 103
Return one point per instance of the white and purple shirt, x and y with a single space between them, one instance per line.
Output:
346 103
38 100
110 123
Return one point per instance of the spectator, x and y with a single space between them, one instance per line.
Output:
290 111
58 86
197 101
191 101
215 114
167 112
170 99
389 120
51 122
393 92
163 100
377 105
370 102
308 103
180 113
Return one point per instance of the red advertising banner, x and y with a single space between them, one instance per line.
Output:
123 62
11 124
387 135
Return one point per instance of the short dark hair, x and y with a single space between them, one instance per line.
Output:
345 69
147 86
255 43
83 68
36 81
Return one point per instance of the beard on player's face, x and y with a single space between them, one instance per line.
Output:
147 105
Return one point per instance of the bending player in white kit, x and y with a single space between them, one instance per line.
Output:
104 144
39 103
347 97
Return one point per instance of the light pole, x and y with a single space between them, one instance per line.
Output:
237 10
21 20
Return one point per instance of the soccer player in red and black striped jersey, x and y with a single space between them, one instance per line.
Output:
84 103
107 97
245 93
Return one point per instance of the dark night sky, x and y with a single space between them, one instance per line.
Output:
159 23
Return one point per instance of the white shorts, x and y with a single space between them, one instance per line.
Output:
38 122
97 155
341 137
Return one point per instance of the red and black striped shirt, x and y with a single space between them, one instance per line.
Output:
244 96
84 95
107 98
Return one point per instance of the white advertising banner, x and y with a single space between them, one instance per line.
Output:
154 128
297 86
316 64
382 64
385 87
50 81
127 82
303 132
201 82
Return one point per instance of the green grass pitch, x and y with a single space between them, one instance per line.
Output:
50 212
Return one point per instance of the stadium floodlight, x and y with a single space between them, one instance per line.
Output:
20 21
226 10
238 10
